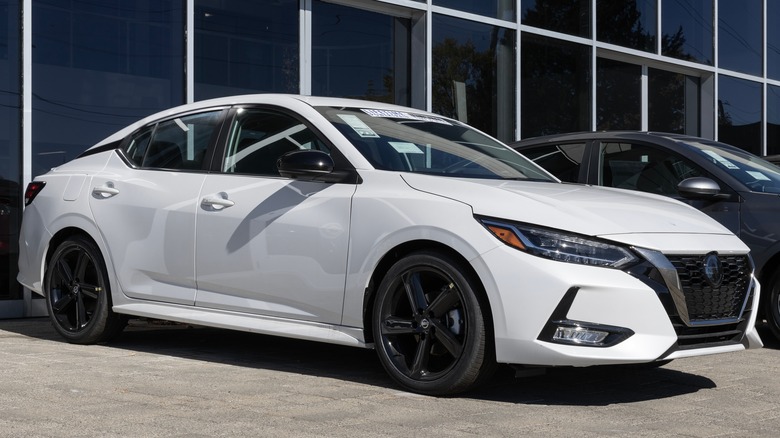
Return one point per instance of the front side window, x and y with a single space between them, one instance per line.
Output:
647 169
562 160
755 173
422 143
259 137
178 143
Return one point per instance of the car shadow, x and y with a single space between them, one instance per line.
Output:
594 386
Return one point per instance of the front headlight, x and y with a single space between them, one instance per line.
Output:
559 245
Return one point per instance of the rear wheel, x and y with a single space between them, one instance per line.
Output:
772 310
429 326
77 293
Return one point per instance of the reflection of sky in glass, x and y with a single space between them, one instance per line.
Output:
739 35
740 99
502 9
773 39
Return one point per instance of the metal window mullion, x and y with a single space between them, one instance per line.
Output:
305 49
645 106
429 58
764 87
715 63
190 52
593 67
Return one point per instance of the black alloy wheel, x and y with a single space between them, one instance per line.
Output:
429 326
78 295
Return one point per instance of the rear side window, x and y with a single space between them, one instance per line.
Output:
178 143
563 160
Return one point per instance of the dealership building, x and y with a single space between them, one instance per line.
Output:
74 71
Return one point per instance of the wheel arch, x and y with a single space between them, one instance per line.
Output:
402 250
767 270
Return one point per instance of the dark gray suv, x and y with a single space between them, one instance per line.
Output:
739 189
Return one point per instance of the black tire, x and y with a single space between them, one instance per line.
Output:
772 309
78 295
439 345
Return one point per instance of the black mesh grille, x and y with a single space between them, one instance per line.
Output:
706 302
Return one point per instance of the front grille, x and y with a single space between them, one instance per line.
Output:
708 303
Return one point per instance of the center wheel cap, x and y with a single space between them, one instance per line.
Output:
425 324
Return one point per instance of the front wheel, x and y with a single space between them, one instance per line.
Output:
77 293
429 326
772 310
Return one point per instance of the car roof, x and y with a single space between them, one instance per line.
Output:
268 98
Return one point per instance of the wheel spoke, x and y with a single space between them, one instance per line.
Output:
91 291
64 271
447 339
421 356
414 292
81 312
446 300
62 303
81 265
397 326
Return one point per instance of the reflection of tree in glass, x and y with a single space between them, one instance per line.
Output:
622 23
453 61
567 16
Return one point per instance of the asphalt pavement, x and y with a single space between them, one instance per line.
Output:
179 381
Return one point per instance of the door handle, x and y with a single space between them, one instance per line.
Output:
104 192
217 202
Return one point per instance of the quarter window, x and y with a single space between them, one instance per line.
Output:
259 137
563 161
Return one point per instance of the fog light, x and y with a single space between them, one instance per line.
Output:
580 335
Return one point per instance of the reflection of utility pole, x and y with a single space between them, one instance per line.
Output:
459 95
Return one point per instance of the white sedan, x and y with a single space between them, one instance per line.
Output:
377 226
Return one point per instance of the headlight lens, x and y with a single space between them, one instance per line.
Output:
560 246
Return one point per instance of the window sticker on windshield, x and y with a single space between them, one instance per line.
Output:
358 126
405 148
726 163
758 176
403 115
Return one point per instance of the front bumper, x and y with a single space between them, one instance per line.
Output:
528 294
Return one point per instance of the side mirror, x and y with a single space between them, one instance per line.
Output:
308 165
698 187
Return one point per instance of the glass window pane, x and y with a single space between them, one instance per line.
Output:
503 9
687 30
360 54
242 48
772 120
181 143
618 95
673 102
773 39
562 160
555 86
90 80
473 74
566 16
10 147
739 35
739 113
630 24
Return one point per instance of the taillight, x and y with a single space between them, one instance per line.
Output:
32 191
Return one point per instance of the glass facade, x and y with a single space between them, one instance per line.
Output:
629 24
99 66
739 113
360 54
513 69
556 86
473 74
618 95
10 147
240 48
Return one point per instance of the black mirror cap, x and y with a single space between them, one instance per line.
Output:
308 165
698 187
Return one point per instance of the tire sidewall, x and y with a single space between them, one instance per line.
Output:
772 311
467 369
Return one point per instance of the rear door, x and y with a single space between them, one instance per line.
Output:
145 205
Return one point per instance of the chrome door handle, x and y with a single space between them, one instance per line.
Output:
216 203
104 192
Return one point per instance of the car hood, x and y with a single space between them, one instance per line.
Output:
594 211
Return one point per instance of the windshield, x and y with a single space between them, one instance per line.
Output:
421 143
755 173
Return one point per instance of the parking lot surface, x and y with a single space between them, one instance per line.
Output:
174 380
